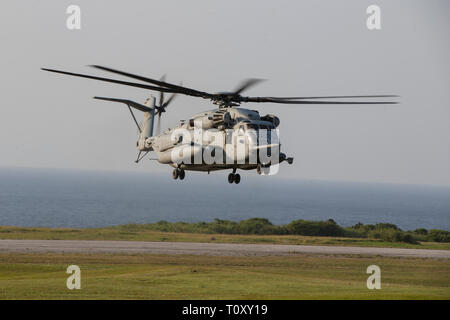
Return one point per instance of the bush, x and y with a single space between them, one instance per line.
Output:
354 233
408 238
163 226
438 235
223 226
261 226
421 231
256 226
363 229
315 228
386 226
392 235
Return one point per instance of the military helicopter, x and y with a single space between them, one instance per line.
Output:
232 126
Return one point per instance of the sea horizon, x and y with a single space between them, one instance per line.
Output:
80 198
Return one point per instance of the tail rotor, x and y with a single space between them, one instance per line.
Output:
162 105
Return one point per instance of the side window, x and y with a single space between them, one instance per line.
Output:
229 137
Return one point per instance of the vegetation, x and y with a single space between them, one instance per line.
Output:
260 226
390 232
256 230
148 276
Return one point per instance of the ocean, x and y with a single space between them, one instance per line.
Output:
78 199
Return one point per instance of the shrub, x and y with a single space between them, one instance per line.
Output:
256 226
421 231
315 228
438 235
261 226
408 238
223 226
363 229
386 226
392 235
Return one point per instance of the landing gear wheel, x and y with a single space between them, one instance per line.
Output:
263 169
181 174
231 178
175 174
237 178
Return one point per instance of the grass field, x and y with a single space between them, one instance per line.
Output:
146 276
138 234
105 276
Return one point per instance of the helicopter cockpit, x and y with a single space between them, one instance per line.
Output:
258 132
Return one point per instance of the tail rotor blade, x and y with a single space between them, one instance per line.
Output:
158 124
161 94
169 100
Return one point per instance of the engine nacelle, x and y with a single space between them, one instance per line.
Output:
271 118
181 154
213 120
166 142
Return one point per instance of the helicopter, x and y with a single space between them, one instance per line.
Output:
228 137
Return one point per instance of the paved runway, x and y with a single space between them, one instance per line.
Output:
213 249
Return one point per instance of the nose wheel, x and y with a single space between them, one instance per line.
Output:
178 174
263 169
234 177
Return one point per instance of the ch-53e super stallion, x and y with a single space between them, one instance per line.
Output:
243 139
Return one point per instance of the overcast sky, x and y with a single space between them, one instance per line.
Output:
301 47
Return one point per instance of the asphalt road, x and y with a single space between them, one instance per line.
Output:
213 249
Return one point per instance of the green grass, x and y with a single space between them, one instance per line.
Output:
145 276
137 233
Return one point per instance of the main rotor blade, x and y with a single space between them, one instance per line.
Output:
132 84
336 97
246 85
163 86
175 88
283 101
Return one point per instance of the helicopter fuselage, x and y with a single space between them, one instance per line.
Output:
219 139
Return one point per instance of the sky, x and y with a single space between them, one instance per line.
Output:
301 47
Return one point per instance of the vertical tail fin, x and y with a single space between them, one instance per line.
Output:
149 117
147 124
146 127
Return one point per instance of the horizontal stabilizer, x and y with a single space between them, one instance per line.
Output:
130 103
